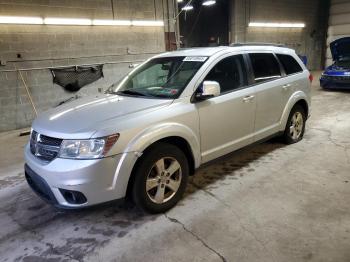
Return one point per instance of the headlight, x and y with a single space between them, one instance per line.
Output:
87 148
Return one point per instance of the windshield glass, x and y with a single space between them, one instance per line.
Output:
164 77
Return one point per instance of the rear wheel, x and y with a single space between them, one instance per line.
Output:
295 127
160 178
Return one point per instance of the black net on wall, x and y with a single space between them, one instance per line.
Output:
74 78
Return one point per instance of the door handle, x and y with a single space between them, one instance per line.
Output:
247 98
285 87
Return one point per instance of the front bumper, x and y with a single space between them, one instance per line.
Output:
335 82
90 182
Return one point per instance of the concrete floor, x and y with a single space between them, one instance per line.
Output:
269 202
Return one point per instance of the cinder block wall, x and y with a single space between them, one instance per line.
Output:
309 41
40 46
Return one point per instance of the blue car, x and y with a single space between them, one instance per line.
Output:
337 76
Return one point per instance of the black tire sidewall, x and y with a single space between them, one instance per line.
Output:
144 165
287 137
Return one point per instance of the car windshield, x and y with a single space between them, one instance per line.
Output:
164 77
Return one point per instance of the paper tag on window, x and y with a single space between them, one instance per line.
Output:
195 58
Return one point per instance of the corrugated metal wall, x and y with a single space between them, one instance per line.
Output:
339 23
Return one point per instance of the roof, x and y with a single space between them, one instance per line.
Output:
210 51
197 51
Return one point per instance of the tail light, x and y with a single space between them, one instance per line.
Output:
311 78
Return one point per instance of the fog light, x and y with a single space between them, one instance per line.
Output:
73 197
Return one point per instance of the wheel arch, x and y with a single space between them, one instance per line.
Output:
173 133
304 105
177 141
299 98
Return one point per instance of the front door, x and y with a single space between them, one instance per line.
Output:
227 121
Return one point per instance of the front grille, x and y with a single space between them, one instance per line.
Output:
44 147
336 78
50 140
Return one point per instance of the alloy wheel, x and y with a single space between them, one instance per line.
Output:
296 125
163 180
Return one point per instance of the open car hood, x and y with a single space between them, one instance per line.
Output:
340 49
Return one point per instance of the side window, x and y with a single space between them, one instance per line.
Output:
265 66
230 73
182 72
290 65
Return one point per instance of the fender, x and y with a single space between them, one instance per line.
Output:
143 140
163 130
297 96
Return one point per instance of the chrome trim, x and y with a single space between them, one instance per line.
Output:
38 148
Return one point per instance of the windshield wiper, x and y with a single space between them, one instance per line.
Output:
134 92
161 96
131 92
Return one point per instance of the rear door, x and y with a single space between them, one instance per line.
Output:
294 78
269 89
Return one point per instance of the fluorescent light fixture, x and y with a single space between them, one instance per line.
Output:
21 20
147 23
180 1
76 21
111 22
67 21
285 25
209 2
187 7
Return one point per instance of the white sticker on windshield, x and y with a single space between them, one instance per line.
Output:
195 58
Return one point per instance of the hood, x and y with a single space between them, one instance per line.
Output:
338 68
81 118
340 48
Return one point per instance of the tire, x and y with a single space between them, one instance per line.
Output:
297 120
165 186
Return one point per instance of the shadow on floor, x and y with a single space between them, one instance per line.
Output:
233 166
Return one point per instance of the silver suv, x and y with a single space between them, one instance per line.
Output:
171 114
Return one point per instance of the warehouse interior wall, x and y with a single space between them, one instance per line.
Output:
308 41
339 24
37 47
205 25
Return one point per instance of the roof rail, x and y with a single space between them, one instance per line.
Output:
257 44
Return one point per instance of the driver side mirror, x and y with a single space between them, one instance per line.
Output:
208 90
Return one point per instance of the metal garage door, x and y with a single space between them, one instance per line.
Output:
339 23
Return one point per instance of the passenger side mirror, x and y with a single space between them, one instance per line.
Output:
208 90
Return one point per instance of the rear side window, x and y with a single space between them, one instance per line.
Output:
290 65
265 66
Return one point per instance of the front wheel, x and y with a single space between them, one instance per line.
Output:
160 178
295 127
